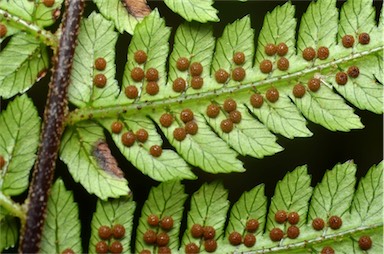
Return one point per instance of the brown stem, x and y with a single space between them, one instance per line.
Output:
54 116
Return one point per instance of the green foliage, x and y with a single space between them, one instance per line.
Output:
61 228
19 139
199 10
9 230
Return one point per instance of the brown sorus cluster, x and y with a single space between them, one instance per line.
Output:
298 91
197 82
99 80
3 31
282 49
266 66
272 94
161 239
213 110
164 250
166 120
131 92
314 84
191 248
186 115
196 69
353 71
283 64
234 116
208 233
293 232
348 41
249 240
293 218
341 78
221 76
182 64
197 231
276 234
68 251
2 161
128 138
140 56
152 74
106 233
327 250
318 224
229 105
335 222
210 245
309 53
141 135
48 3
364 38
256 100
191 127
239 58
100 64
238 74
155 150
252 225
270 49
137 74
152 88
281 216
235 238
179 85
145 251
179 133
322 53
365 242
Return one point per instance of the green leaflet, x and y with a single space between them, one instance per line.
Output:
334 194
196 43
110 213
9 231
115 11
88 164
204 149
199 10
10 30
21 62
97 39
209 206
62 225
237 37
37 12
165 167
19 139
367 204
151 36
165 200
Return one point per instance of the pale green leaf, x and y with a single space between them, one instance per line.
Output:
43 15
249 137
110 213
21 61
9 232
281 117
62 224
204 149
291 195
364 91
195 42
22 8
209 206
328 109
115 11
167 199
151 36
19 139
199 10
367 204
237 37
318 27
165 167
10 29
78 152
97 39
333 196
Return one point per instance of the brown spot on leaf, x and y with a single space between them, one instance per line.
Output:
105 159
137 8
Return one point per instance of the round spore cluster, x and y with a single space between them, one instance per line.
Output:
106 235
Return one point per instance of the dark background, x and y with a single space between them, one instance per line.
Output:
320 152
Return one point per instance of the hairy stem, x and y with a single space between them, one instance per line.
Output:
43 35
52 131
115 110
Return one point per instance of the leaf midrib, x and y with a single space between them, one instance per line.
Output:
130 109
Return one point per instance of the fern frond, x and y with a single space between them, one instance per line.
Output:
359 210
213 148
